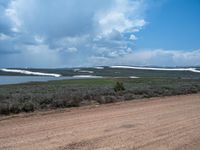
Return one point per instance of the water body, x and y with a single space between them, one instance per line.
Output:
5 80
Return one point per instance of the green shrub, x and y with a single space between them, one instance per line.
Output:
129 96
28 107
75 101
4 109
2 97
119 86
15 108
59 103
46 101
110 99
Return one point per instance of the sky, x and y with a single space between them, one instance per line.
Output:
83 33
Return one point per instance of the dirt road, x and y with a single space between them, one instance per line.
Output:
159 124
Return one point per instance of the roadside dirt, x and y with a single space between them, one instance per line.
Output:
169 123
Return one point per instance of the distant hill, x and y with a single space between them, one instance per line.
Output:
116 71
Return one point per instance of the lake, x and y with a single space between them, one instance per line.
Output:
5 80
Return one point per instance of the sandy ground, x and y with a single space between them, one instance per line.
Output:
170 123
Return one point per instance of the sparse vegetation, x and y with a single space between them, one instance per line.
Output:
74 93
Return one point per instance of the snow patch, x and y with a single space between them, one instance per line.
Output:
158 69
85 71
30 72
98 68
134 77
